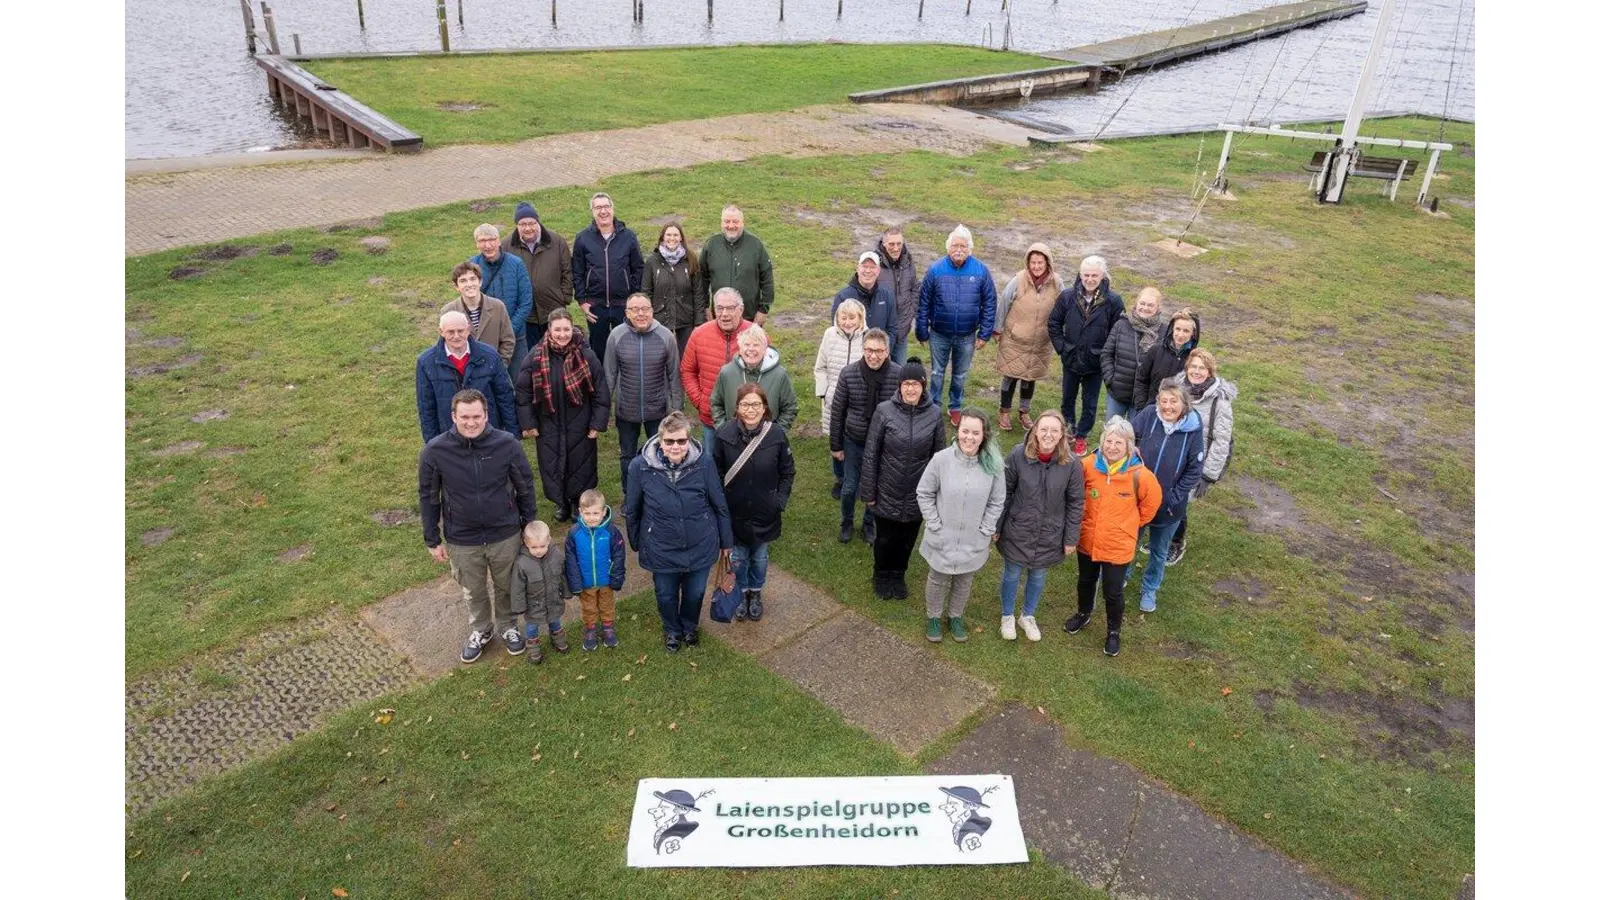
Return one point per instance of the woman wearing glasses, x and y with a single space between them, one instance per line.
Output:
678 523
757 470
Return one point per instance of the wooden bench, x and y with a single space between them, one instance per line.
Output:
1392 169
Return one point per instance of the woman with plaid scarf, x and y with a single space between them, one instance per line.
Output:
563 403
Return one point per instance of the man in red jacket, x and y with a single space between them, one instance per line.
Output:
711 346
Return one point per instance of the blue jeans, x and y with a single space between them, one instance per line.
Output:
606 318
1156 568
517 355
1009 576
679 596
854 453
1070 383
1115 407
957 353
628 443
899 350
749 567
708 439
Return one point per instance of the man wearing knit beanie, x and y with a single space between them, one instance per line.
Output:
549 262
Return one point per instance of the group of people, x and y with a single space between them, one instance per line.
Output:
511 361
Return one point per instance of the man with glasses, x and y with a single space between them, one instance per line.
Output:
711 346
863 385
641 364
737 259
607 267
505 278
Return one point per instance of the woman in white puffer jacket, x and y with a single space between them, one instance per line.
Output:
841 346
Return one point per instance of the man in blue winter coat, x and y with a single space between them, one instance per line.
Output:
505 278
607 268
955 314
454 364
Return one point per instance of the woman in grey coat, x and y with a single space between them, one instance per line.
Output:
1044 509
961 495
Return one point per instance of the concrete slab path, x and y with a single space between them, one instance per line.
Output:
168 209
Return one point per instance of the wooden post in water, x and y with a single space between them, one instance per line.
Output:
919 9
708 12
461 15
444 25
552 13
969 7
641 12
780 10
296 37
840 13
361 15
272 28
250 26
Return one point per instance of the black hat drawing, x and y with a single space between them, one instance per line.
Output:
963 793
969 826
682 799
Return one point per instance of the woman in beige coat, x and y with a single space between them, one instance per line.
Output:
1023 338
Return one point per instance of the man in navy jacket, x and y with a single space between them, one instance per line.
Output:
455 363
607 268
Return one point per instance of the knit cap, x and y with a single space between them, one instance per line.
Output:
525 210
913 371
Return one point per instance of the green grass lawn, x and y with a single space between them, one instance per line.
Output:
534 94
1310 681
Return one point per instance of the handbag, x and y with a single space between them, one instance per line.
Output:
724 599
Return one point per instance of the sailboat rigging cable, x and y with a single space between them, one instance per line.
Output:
1148 66
1455 48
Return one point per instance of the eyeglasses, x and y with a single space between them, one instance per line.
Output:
876 351
752 404
724 307
674 442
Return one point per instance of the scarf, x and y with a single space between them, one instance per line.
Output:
1113 468
874 379
1196 391
1169 426
576 378
1046 458
1087 300
1146 331
673 256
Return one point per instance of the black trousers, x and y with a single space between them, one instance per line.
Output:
1110 577
891 552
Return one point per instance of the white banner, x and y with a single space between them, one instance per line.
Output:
740 822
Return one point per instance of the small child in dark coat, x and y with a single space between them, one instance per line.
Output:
597 562
538 588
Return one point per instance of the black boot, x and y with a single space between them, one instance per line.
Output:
564 513
847 531
882 586
753 598
901 590
742 611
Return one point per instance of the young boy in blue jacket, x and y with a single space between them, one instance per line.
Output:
597 562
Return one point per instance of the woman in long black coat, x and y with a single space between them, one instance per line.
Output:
563 402
905 433
757 494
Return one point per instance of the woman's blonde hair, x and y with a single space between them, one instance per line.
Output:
1030 448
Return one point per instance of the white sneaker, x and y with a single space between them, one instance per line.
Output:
1008 627
1030 628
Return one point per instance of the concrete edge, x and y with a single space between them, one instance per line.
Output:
623 48
171 164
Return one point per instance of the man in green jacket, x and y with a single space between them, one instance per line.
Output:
757 363
739 260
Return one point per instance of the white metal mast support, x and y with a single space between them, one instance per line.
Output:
1339 159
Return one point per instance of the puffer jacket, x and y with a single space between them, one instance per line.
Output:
1163 361
758 495
1112 515
837 352
642 369
1215 407
961 505
674 292
1044 508
1023 313
539 581
709 349
956 302
507 280
900 441
851 410
549 264
774 380
1120 359
1176 458
605 272
677 516
1079 337
596 557
907 288
880 302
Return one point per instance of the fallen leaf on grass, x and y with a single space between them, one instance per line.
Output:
582 677
1191 745
640 660
465 755
538 756
1266 815
1041 710
456 842
694 665
340 892
140 852
1226 691
1366 599
574 754
628 677
331 807
400 804
185 876
673 727
630 734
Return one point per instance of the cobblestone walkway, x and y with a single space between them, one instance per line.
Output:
175 209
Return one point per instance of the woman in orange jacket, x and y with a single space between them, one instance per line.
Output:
1120 497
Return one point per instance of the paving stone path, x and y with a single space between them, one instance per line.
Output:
207 203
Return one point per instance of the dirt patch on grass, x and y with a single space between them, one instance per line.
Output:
370 222
324 256
1398 728
183 273
225 252
800 320
463 105
865 225
295 554
392 518
281 250
182 362
209 415
155 537
225 452
482 206
178 449
1247 590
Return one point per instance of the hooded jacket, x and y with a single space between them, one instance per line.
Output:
837 352
437 384
742 265
1163 361
677 516
1078 336
773 378
956 302
1215 407
1023 314
1175 457
961 505
758 495
538 585
900 441
708 350
506 279
596 557
881 303
1044 508
481 488
1112 515
549 264
642 370
674 292
851 408
605 272
907 287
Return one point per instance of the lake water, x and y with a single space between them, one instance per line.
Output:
191 88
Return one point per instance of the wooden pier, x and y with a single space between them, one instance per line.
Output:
1157 47
343 118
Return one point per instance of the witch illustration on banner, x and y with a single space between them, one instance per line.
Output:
672 823
962 808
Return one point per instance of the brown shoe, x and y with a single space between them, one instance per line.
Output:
1005 419
1026 420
